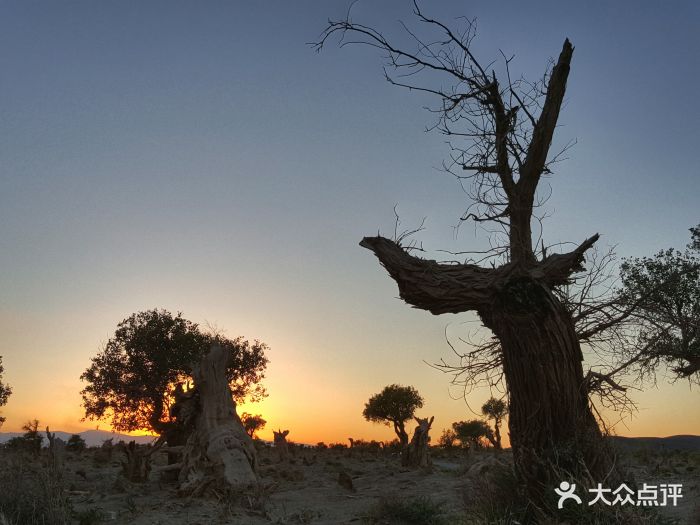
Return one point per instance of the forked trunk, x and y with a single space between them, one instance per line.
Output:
553 432
552 429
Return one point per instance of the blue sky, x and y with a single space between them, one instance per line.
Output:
201 157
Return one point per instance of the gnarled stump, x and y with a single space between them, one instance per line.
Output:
218 450
281 445
138 462
418 454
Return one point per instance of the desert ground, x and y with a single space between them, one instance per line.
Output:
320 486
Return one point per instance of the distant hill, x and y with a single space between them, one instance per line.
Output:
93 438
658 443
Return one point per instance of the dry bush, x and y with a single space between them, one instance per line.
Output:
30 493
420 510
496 498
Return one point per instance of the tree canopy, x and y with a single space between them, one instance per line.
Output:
5 391
132 380
495 409
395 404
471 434
252 423
665 290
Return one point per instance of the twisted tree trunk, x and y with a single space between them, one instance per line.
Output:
218 449
552 428
418 451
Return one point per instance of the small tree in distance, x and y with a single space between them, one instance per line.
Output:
252 423
447 438
394 405
472 433
5 391
30 441
495 409
76 443
665 289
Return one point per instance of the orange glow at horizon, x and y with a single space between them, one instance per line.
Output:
315 394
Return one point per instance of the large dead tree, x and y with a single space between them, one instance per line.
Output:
508 128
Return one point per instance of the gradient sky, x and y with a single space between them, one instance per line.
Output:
201 157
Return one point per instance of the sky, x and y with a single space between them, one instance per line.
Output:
202 158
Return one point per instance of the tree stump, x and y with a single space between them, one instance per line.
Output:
218 450
418 453
281 445
138 462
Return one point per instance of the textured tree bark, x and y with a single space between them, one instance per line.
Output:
552 429
218 450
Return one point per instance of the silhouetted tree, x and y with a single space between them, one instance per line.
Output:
472 433
394 405
447 438
665 290
76 443
5 391
132 381
30 441
495 409
508 127
252 423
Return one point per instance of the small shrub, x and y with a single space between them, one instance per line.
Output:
421 510
91 516
76 443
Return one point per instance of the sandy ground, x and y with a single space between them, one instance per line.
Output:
306 489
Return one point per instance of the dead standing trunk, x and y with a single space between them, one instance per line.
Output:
552 429
418 450
137 466
218 450
551 424
281 445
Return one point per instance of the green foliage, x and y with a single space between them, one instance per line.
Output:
76 443
5 391
472 433
252 423
132 380
395 404
666 291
